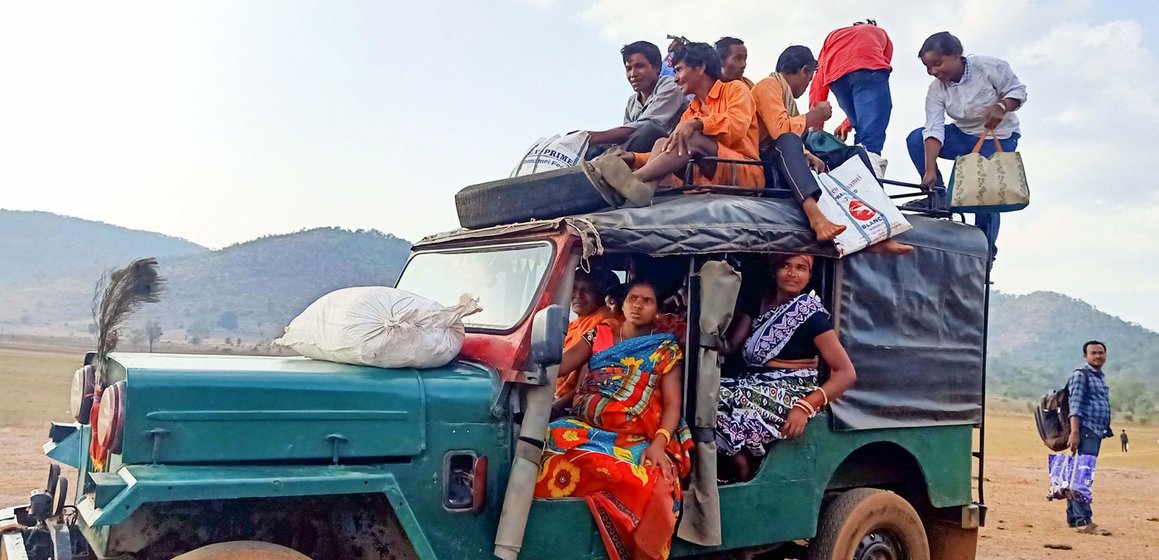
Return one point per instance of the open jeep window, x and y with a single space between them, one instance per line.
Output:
505 279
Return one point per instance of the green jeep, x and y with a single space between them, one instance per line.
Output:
350 462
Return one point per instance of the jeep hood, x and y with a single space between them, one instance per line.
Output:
222 409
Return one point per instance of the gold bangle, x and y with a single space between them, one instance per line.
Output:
824 394
805 407
667 435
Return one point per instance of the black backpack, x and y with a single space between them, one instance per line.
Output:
1052 416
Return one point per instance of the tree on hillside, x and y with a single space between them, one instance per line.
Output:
152 332
198 329
227 320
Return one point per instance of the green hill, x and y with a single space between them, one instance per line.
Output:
249 290
1036 340
39 245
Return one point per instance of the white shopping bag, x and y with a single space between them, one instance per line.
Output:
381 327
557 152
852 197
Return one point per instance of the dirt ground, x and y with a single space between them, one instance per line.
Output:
1021 524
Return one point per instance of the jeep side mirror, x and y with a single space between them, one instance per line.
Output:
547 332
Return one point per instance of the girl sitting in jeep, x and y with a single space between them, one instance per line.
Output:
625 448
780 334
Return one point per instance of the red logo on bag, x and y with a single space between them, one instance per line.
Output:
860 211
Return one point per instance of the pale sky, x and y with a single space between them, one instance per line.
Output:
222 121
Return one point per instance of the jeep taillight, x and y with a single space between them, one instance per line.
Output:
111 417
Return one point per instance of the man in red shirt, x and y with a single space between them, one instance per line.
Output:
854 63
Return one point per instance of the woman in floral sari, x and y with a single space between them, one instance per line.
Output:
625 448
780 334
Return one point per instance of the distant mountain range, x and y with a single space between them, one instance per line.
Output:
39 245
252 290
249 290
1036 340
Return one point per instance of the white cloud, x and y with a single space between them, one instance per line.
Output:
223 121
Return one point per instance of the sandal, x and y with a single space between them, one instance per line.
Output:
613 171
606 191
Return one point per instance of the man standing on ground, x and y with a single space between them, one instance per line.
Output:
1123 440
1090 421
854 62
652 111
734 57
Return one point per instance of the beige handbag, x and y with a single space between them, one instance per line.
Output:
989 184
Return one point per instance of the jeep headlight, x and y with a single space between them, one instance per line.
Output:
80 399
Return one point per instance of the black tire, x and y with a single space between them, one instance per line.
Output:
540 196
869 524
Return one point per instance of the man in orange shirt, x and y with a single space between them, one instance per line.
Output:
855 63
782 129
720 122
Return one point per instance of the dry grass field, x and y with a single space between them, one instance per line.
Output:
1021 525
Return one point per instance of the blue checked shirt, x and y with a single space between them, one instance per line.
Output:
1090 400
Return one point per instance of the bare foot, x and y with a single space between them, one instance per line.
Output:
890 247
826 230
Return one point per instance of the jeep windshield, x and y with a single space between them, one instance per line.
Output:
506 280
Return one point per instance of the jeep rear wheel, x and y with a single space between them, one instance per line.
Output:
243 550
869 524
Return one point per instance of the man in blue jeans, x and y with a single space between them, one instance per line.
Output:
854 63
1090 421
980 94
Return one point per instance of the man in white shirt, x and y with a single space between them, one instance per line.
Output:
979 93
653 110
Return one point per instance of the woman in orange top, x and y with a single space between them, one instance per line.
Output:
587 301
720 122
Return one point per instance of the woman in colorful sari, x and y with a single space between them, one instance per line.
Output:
780 334
625 448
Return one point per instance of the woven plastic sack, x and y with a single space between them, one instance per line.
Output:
852 196
381 327
549 154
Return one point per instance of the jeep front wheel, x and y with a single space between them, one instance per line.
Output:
243 550
869 524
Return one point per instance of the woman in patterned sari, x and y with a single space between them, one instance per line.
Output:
625 448
780 334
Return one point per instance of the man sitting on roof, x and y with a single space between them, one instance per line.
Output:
720 122
653 109
782 128
733 59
